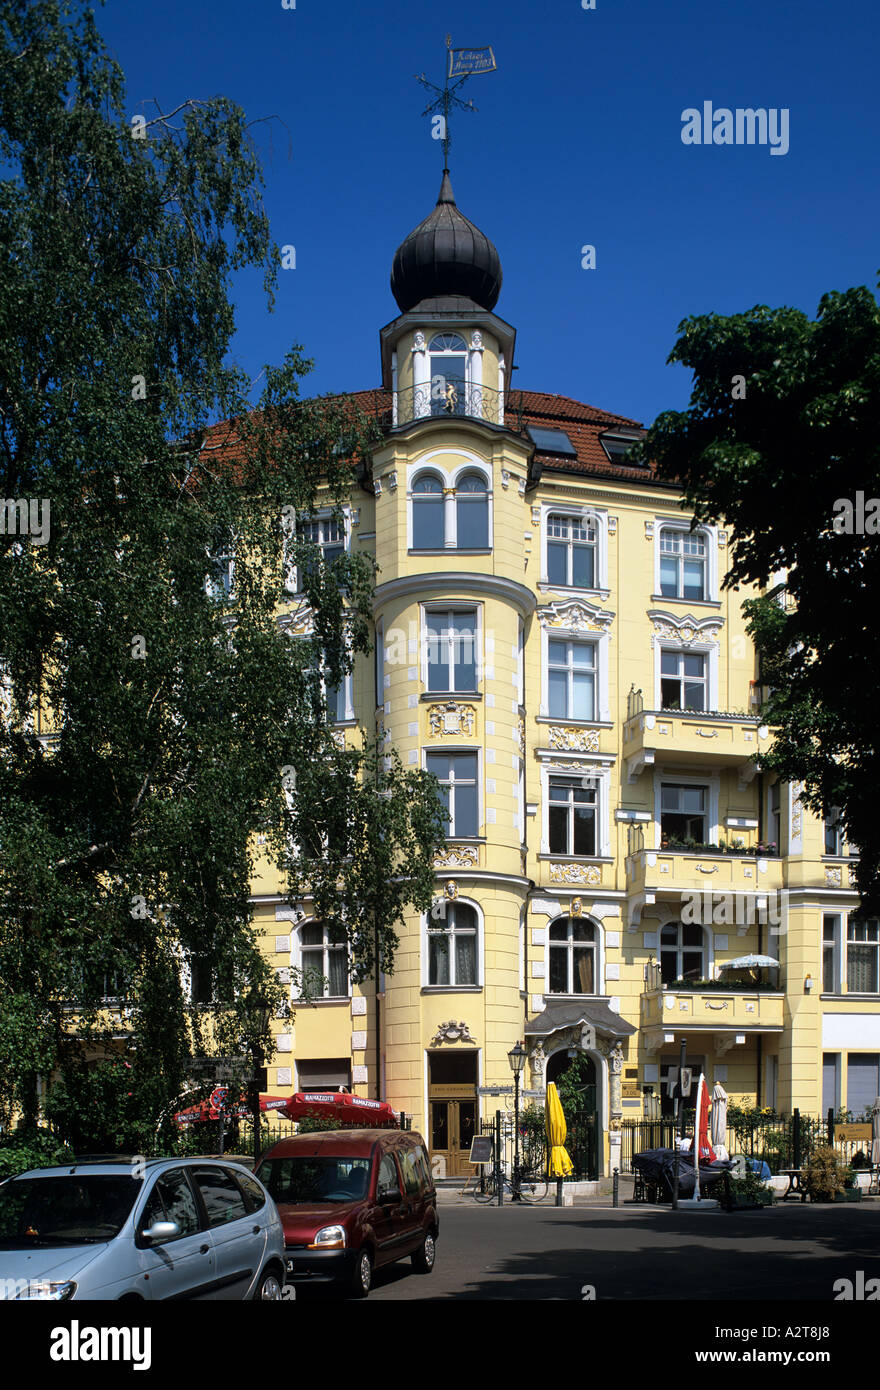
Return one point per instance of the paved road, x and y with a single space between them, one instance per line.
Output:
782 1253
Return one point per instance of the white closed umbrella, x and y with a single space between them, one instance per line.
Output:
719 1120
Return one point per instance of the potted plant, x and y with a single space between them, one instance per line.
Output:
828 1179
748 1193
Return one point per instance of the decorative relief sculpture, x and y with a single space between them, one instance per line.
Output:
450 889
521 735
685 629
575 616
575 873
457 857
573 740
451 718
452 1032
833 877
797 811
419 344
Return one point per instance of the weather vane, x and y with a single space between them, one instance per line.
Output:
462 63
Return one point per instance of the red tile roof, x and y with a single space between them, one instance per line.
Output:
581 422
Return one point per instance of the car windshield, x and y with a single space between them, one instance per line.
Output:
70 1209
297 1180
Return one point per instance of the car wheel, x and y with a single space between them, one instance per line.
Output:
362 1277
269 1288
423 1258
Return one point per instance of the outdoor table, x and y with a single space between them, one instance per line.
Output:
795 1192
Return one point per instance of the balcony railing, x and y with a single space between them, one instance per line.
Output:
450 399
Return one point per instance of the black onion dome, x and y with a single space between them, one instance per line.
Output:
446 255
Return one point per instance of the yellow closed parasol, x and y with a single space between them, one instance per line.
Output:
560 1164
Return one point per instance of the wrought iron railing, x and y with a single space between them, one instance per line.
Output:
635 702
446 398
635 839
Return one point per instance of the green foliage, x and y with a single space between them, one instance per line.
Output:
185 721
771 467
315 1124
33 1148
750 1189
574 1085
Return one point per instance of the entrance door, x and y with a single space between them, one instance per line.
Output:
452 1104
453 1126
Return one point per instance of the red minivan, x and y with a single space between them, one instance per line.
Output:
351 1201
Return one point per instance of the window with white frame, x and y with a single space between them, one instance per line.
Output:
862 956
453 946
326 540
862 1082
831 953
450 518
683 564
571 679
571 551
459 792
571 816
220 580
834 832
851 955
451 650
448 358
683 813
472 512
682 952
428 513
775 814
323 961
572 950
684 679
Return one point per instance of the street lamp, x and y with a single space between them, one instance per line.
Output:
517 1059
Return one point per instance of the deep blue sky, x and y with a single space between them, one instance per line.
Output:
577 140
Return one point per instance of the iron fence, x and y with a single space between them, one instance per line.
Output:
582 1143
780 1141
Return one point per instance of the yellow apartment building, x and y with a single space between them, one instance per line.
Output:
553 641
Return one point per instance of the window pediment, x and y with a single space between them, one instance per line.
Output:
575 615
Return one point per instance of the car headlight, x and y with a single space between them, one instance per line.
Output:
329 1238
57 1290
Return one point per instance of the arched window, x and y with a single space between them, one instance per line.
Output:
571 551
428 529
322 956
452 946
572 956
682 952
472 512
448 374
682 564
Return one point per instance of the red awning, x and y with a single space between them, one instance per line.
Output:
339 1105
209 1109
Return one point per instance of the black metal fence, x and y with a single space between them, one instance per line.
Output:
780 1141
582 1143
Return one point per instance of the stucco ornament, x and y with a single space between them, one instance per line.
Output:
451 718
452 1032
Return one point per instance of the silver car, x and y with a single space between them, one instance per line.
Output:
140 1229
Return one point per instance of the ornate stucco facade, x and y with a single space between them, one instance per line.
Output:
555 643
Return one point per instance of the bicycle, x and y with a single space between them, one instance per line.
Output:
531 1185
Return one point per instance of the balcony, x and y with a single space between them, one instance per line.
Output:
692 738
458 399
658 875
728 1013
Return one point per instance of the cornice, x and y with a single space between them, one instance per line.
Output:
457 582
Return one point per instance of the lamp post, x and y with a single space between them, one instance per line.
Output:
517 1059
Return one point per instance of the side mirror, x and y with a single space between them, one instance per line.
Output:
391 1197
161 1230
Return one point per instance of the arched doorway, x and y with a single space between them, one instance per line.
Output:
584 1121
